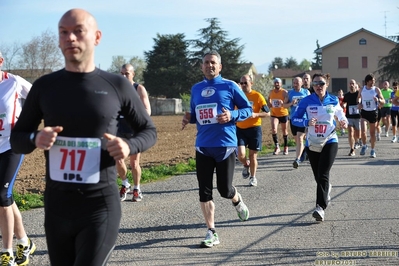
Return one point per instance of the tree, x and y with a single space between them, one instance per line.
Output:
138 63
168 71
305 65
291 63
10 53
277 62
116 64
215 38
263 85
389 65
41 55
317 64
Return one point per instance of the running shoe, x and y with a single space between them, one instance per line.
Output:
342 132
296 163
242 209
7 259
276 150
394 139
245 172
253 182
318 214
378 137
352 152
210 240
372 153
23 253
137 195
363 150
357 145
386 134
285 152
123 192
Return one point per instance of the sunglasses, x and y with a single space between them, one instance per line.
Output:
244 83
318 83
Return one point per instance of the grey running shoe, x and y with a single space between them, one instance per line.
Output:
318 214
253 182
242 209
394 139
210 240
363 150
23 252
245 172
123 192
373 154
296 163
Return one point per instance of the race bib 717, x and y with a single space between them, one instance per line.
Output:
75 160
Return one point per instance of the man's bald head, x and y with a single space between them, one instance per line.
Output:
78 35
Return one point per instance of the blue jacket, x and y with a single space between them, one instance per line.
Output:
207 100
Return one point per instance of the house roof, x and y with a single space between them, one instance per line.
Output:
349 35
290 73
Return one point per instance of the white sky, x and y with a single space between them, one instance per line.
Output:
267 28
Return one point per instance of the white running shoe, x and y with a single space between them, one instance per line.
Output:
394 139
210 240
318 214
253 182
242 209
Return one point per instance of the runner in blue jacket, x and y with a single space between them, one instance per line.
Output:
317 112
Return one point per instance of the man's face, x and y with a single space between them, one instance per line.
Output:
78 35
385 85
297 83
277 85
128 73
306 80
211 66
370 83
352 85
246 84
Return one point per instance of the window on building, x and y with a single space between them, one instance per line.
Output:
283 81
362 41
364 61
343 62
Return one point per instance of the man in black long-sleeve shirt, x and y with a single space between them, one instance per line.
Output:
79 106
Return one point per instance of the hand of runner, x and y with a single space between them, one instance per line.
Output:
46 137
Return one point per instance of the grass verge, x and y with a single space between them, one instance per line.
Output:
154 173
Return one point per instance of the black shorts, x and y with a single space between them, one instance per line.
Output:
281 119
10 163
295 129
250 137
371 116
385 111
124 129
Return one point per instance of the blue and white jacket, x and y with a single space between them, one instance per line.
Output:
325 112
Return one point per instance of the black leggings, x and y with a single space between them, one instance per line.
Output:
395 118
81 229
10 163
205 166
321 163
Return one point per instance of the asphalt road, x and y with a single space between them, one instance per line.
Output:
361 226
